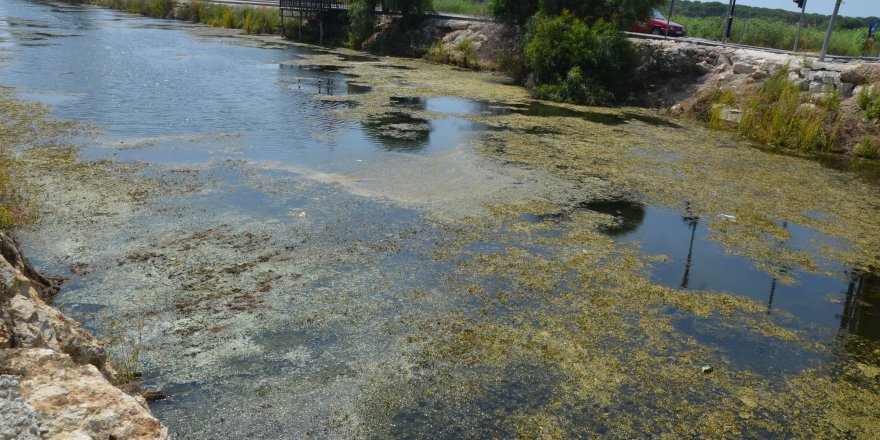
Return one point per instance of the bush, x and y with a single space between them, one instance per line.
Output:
866 149
513 11
361 21
407 7
869 101
573 61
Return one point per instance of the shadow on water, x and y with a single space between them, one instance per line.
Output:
445 104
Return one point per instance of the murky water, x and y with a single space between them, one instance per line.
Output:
302 270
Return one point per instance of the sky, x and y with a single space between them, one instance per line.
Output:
850 8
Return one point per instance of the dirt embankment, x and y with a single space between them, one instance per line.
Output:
681 79
676 78
55 381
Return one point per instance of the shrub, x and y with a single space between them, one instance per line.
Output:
573 61
361 21
869 101
513 11
866 149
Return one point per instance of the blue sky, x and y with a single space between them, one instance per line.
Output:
851 8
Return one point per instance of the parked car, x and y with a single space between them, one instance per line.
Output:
657 26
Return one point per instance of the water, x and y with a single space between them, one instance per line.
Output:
280 295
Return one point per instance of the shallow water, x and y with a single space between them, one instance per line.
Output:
319 236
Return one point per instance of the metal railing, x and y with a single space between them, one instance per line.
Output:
315 5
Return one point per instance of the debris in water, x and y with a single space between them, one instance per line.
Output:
707 369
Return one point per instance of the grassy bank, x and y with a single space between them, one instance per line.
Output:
252 20
777 35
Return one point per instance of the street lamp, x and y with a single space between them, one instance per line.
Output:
728 24
830 30
797 37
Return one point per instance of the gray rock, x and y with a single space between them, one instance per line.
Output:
740 68
805 84
820 87
759 75
18 420
861 74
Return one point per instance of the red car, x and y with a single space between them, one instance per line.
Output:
657 26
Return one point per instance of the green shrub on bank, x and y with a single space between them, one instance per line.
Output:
774 116
866 149
573 61
869 101
361 22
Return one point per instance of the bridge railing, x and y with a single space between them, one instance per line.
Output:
314 5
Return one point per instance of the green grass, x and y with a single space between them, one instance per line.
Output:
777 35
774 116
468 7
253 20
869 101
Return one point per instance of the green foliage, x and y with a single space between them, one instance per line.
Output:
717 9
776 34
774 116
866 149
464 54
573 61
513 11
408 7
361 22
622 12
253 20
869 101
469 7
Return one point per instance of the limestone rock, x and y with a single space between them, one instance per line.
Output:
861 74
74 401
28 322
739 68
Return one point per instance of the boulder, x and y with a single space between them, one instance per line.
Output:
759 75
740 68
860 74
65 399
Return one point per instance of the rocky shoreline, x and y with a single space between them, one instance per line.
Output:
55 379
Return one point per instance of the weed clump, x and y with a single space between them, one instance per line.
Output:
462 55
775 116
867 149
869 102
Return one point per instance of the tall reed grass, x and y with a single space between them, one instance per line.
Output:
777 35
775 116
252 20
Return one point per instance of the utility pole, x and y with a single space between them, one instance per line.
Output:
797 36
830 30
669 17
728 23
